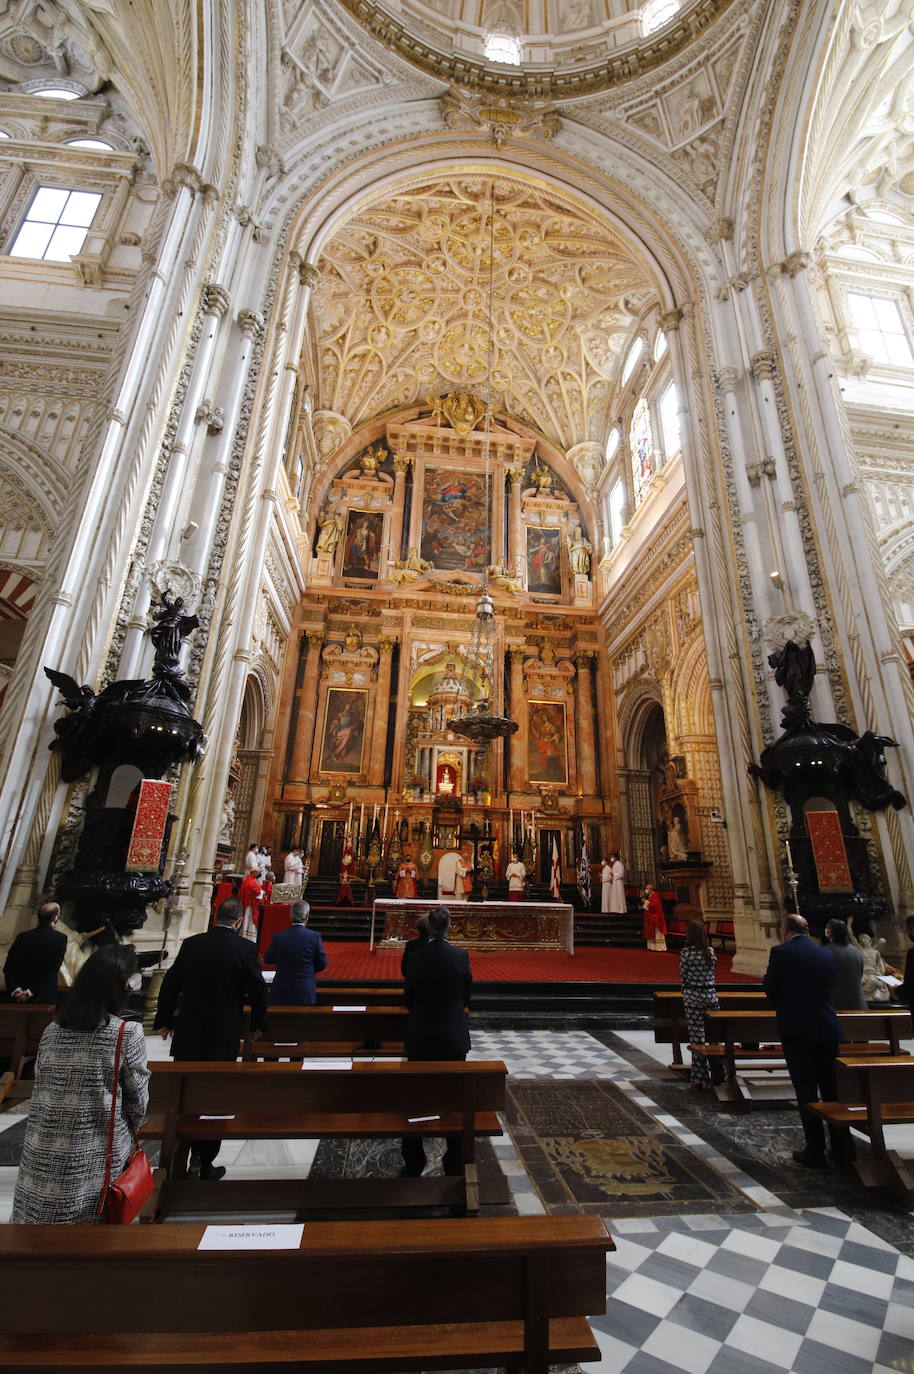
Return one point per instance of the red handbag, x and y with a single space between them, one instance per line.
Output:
123 1198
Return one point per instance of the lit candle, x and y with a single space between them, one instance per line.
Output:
511 824
789 855
384 826
349 822
361 818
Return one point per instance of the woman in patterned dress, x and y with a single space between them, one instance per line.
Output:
63 1159
696 974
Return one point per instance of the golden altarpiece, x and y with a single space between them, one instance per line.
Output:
418 512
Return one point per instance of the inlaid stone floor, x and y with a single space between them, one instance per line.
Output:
812 1273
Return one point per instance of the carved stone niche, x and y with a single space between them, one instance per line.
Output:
677 804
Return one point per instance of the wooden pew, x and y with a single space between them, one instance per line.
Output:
377 1100
22 1025
875 1092
671 1028
731 1032
355 1296
308 1032
369 994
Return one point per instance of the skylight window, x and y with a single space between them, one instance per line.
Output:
657 13
90 143
502 47
55 224
612 443
56 93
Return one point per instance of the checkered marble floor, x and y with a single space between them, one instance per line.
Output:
810 1291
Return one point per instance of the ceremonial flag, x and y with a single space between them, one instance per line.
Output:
584 877
554 887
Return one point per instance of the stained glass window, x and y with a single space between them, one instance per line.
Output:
641 443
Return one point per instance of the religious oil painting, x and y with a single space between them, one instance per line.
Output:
547 750
344 731
454 520
362 546
544 561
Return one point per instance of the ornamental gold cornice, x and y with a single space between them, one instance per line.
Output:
619 68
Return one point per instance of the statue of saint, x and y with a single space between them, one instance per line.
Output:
579 551
331 527
168 634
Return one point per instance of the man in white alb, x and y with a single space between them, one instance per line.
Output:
516 875
294 868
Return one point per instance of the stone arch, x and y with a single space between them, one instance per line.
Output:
691 690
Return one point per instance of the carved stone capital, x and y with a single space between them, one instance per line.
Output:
763 366
309 275
582 658
216 299
210 415
387 643
670 320
727 378
723 228
756 471
251 323
515 476
183 174
795 263
315 639
268 159
402 462
517 656
795 625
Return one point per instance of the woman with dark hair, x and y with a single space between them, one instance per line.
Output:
697 962
847 987
63 1159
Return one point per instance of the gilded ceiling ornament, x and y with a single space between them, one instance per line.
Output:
502 116
462 409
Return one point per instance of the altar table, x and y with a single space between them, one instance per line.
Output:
479 925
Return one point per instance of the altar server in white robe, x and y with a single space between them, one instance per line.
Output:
617 904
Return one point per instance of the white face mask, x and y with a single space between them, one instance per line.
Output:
135 982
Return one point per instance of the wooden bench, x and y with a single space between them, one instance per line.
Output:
355 1296
310 1032
751 1037
374 1100
22 1025
671 1027
368 994
875 1092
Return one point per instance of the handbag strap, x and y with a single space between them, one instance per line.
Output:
109 1155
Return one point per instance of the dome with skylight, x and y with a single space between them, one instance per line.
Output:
546 48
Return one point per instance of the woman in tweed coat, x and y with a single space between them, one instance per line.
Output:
63 1159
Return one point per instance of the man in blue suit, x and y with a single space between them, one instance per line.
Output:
298 954
798 984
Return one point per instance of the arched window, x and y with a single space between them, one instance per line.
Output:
669 420
660 345
612 443
502 47
634 353
641 443
656 13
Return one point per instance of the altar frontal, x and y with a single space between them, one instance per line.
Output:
479 925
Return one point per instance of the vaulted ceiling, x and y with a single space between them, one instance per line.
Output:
403 308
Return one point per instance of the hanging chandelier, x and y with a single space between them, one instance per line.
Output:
480 724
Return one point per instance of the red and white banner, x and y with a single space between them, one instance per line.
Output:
145 848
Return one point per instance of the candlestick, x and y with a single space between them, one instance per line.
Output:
361 818
349 822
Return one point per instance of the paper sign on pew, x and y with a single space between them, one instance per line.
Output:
284 1236
326 1063
349 1008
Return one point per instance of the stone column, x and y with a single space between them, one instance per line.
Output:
300 770
517 768
517 554
401 468
497 552
381 711
584 725
607 776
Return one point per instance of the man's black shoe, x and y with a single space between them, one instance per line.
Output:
808 1160
212 1172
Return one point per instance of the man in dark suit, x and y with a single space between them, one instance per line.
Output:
438 988
798 984
202 1000
298 954
35 957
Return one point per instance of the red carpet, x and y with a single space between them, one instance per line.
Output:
589 965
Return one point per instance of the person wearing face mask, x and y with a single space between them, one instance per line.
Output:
62 1170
